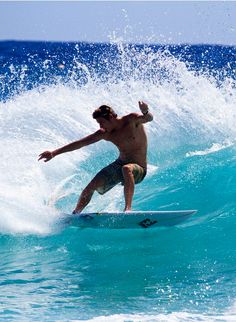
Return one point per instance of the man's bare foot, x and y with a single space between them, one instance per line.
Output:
75 212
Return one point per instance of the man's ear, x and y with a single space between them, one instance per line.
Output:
111 117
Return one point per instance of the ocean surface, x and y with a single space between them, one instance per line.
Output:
48 272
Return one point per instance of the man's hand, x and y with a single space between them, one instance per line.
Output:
47 155
143 107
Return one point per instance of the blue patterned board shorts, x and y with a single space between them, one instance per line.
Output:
112 175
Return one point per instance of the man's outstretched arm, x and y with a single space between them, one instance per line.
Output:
90 139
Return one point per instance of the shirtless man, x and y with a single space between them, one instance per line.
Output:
128 134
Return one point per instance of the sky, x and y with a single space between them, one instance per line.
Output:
165 22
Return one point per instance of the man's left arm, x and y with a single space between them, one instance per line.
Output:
146 115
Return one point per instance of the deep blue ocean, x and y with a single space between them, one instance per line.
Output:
48 272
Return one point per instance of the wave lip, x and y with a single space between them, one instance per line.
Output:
214 148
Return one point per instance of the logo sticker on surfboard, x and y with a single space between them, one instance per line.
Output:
147 223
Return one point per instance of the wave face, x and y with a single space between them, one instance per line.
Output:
48 93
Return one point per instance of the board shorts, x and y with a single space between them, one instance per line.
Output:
112 175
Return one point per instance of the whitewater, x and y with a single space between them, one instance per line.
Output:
55 273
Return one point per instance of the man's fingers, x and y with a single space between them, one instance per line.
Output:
141 103
42 156
46 159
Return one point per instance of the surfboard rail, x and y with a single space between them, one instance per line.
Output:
131 219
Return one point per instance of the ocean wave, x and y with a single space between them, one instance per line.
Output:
192 112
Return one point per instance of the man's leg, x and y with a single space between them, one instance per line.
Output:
87 194
129 183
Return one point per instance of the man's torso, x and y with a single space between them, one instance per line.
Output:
131 140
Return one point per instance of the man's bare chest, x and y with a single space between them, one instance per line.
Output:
126 136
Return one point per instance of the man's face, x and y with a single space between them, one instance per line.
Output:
105 124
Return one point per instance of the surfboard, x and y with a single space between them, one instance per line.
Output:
132 219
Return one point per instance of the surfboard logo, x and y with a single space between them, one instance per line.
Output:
147 223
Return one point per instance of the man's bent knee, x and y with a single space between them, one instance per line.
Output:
134 171
127 170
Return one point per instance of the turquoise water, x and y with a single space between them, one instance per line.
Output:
54 273
82 274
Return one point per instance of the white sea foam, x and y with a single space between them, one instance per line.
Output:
171 317
214 148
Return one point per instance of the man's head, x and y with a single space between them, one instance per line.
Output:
104 111
106 117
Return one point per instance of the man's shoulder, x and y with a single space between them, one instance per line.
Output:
130 117
101 134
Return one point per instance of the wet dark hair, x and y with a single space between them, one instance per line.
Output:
104 111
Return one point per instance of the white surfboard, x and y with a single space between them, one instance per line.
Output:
132 219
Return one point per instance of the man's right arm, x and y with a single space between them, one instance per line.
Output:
90 139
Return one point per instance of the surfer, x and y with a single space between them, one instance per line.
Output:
127 133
